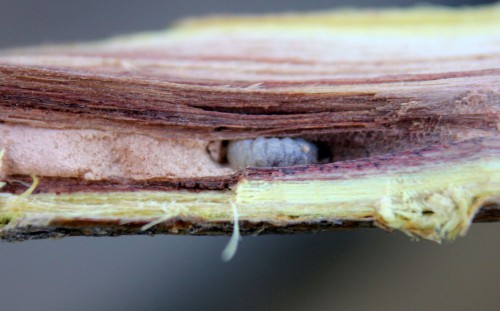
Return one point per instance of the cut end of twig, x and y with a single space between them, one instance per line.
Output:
136 135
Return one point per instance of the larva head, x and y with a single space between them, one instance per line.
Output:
271 152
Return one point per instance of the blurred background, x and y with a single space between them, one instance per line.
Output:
364 269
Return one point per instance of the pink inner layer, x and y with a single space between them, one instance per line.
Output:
99 155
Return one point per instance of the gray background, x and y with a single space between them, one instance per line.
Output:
355 270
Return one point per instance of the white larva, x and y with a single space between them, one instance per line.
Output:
271 152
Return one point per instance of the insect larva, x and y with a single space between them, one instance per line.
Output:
271 152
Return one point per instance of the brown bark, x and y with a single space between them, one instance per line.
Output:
385 101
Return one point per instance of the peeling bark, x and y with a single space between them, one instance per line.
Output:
404 103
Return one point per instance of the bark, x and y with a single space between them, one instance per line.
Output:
403 104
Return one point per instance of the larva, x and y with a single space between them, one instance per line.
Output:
271 152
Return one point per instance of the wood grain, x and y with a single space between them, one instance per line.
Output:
387 93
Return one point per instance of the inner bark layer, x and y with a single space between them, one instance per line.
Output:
102 155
